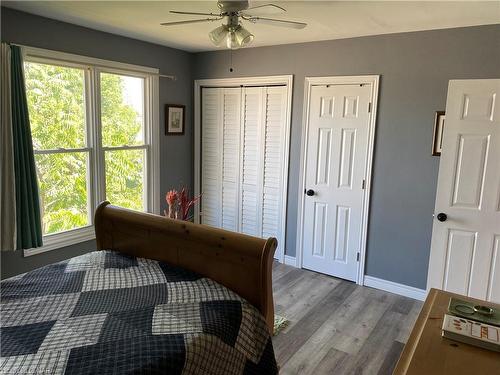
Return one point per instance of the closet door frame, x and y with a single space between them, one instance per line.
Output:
284 80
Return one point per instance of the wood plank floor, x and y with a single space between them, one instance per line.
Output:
338 327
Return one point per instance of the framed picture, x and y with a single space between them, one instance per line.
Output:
437 140
174 119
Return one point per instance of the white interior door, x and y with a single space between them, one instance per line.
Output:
231 113
465 245
251 163
337 146
243 156
211 156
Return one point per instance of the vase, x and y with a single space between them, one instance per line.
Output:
171 212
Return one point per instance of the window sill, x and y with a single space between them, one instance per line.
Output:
59 240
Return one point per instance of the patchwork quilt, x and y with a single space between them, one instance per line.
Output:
107 313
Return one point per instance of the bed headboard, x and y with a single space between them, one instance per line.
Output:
241 263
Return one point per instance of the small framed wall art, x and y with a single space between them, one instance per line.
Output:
437 139
174 119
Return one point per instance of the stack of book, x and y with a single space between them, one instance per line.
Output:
472 324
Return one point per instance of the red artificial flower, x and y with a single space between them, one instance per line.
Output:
186 203
172 197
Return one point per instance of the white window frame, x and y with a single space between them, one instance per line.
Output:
96 178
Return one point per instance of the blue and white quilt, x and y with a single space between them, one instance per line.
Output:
108 313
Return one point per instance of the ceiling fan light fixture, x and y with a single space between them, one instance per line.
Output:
218 35
243 36
235 11
231 41
238 37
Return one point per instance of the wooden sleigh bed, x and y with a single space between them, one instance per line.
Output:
158 296
239 262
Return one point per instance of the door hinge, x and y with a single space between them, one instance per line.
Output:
363 184
369 107
357 257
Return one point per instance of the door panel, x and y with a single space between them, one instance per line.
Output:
320 228
469 170
351 106
459 254
464 247
348 140
251 177
479 107
211 178
324 156
335 168
230 157
494 292
273 160
341 234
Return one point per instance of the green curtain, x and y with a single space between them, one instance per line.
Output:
7 179
29 227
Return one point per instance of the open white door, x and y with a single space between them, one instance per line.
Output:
465 249
337 144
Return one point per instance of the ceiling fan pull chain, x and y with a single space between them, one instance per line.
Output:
230 60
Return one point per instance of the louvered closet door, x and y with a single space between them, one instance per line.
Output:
220 157
262 180
243 147
251 168
273 160
231 98
211 157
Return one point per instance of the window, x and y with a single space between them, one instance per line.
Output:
92 126
125 150
57 107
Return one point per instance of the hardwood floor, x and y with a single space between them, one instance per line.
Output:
338 327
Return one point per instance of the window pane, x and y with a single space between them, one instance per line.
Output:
125 178
122 110
56 103
64 191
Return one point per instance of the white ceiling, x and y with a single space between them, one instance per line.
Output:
326 19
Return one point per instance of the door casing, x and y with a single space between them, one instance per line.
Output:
372 80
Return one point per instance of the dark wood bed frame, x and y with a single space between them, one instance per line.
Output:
241 263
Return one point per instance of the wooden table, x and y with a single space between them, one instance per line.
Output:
428 353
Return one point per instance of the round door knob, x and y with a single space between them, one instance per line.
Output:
310 193
442 216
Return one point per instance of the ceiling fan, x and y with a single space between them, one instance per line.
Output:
235 35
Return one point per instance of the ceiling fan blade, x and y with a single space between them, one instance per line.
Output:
266 9
194 13
275 22
189 21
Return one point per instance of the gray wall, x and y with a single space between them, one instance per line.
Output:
415 69
13 262
176 152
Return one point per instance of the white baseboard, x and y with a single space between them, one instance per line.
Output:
290 261
390 286
375 282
